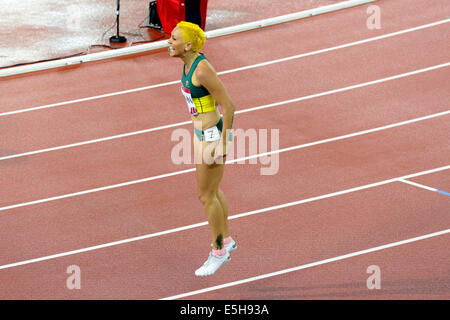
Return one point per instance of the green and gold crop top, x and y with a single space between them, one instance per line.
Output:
198 99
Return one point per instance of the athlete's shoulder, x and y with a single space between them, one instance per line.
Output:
204 70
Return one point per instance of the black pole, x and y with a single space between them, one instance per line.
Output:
193 12
117 38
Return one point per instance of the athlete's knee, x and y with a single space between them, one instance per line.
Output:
206 196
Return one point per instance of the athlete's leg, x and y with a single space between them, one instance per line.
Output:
224 204
208 180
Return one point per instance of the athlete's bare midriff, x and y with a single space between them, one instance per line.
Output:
207 119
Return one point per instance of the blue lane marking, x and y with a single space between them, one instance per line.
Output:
443 192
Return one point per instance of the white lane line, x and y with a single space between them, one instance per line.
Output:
347 45
356 86
309 265
425 187
437 23
338 193
114 186
237 216
418 185
106 95
301 146
82 143
351 135
271 105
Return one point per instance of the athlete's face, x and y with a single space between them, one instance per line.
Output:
176 45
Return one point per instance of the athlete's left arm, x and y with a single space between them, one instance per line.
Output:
208 78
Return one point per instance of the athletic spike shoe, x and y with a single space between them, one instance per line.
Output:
212 264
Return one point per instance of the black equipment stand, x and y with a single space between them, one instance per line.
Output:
117 38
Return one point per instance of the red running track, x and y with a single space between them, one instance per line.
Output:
343 221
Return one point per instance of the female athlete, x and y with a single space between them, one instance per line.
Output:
203 92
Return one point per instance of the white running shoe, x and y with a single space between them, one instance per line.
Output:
212 264
231 246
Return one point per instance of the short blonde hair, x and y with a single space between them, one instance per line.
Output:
192 33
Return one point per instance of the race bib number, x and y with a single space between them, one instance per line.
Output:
212 134
190 103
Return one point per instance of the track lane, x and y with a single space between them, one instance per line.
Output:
403 276
161 204
45 175
144 269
